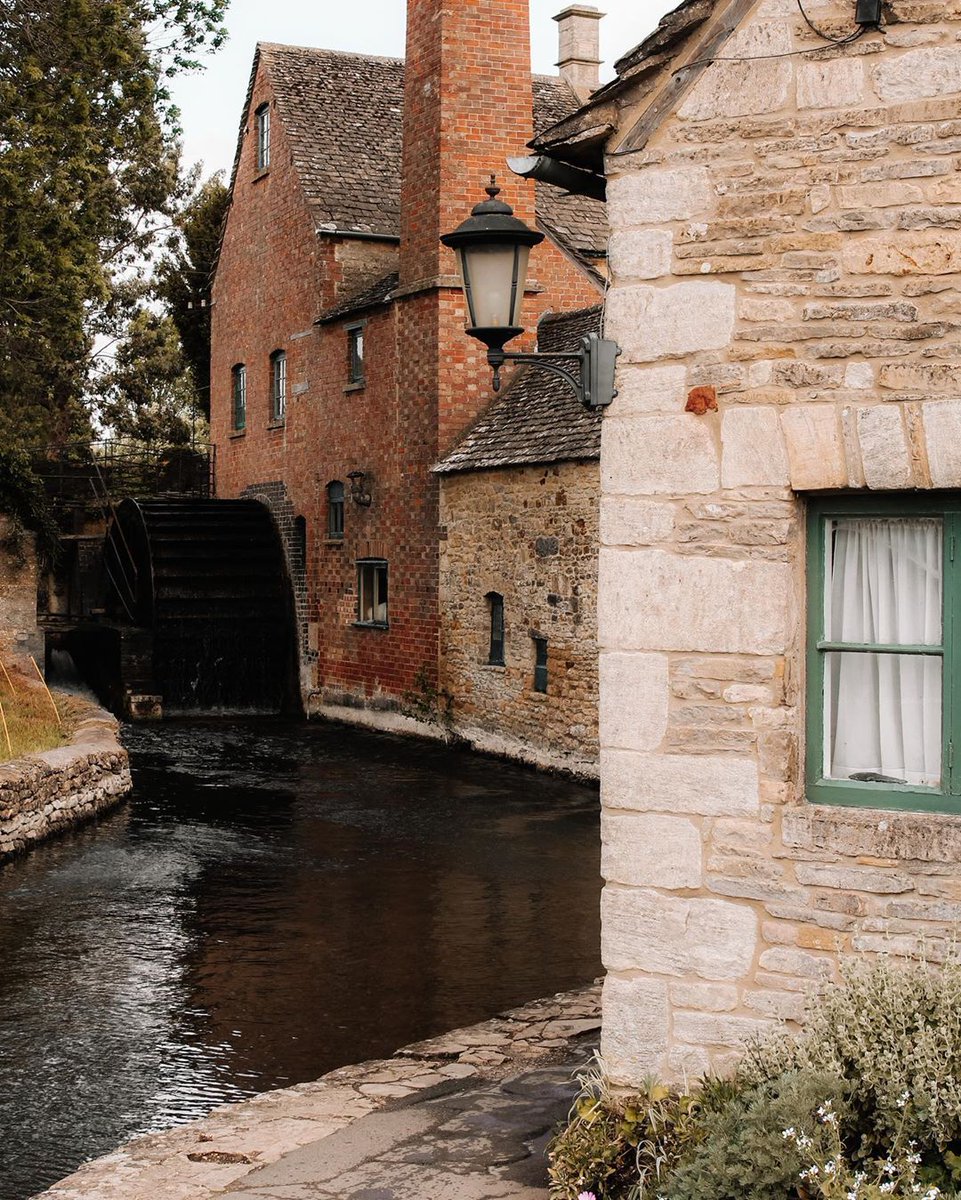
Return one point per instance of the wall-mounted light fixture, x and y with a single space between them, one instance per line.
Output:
493 248
359 493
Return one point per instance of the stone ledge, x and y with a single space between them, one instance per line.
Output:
43 794
204 1158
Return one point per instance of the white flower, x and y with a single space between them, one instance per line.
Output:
830 1167
887 1186
789 1134
903 1099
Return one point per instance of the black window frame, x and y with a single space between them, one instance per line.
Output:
336 506
495 650
540 663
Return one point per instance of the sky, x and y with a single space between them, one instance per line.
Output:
210 102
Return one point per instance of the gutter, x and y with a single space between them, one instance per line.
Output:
549 170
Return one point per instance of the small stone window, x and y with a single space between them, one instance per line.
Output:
262 118
372 592
495 653
355 356
278 385
540 662
238 390
335 510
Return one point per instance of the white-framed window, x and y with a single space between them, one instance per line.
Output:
278 385
262 119
372 592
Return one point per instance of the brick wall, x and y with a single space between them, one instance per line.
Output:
530 535
425 380
788 238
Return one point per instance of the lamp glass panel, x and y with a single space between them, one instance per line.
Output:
489 282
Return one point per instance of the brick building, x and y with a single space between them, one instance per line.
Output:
340 370
780 509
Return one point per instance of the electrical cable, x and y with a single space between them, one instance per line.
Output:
848 40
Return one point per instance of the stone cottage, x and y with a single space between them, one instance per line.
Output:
518 567
779 577
340 372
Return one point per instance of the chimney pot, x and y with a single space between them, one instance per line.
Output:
579 55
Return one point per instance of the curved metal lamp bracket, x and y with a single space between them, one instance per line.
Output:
593 382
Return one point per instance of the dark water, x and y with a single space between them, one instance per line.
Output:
277 900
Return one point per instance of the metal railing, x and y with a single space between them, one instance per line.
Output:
121 468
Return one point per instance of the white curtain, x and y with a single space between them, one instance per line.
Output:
883 711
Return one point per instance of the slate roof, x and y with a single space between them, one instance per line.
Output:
538 419
343 114
372 296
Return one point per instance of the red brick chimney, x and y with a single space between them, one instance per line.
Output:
467 106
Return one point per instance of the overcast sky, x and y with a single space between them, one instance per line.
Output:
210 102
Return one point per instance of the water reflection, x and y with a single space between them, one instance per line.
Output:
280 899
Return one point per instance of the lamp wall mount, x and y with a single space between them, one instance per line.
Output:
592 379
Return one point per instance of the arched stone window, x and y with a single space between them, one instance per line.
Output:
495 604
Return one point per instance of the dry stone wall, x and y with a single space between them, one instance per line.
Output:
42 794
530 535
791 239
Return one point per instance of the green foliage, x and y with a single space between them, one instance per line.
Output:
425 702
24 502
88 171
617 1146
864 1103
890 1032
741 1152
185 274
148 393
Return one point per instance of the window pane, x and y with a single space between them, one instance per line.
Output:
882 717
380 588
884 581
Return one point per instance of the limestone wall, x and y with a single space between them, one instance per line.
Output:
42 794
529 534
790 240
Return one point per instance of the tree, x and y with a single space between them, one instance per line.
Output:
88 171
148 394
185 274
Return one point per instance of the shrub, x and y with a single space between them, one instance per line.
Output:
742 1150
894 1033
864 1103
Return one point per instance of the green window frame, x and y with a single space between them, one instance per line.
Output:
874 793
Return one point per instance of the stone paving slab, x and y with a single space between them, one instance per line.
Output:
464 1116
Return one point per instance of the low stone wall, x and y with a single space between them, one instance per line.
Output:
41 794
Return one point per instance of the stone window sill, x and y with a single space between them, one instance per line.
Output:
237 433
261 174
334 542
382 625
356 387
278 424
489 666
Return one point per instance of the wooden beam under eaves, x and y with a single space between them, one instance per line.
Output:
684 77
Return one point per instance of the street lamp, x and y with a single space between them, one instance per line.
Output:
493 248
